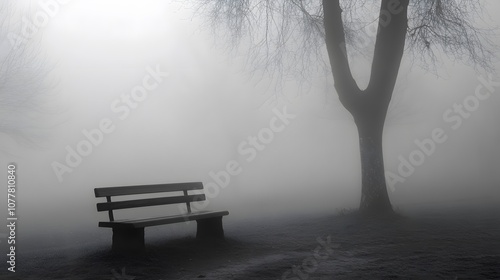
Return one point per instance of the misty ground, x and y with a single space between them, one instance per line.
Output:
425 245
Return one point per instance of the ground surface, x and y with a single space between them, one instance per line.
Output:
419 246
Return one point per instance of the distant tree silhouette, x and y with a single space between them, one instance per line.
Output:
22 74
299 30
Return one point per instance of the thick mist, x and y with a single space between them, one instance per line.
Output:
159 100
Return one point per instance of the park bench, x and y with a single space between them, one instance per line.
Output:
128 234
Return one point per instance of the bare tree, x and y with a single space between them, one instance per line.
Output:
22 74
291 35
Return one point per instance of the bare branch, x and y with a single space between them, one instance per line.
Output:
22 75
288 35
449 27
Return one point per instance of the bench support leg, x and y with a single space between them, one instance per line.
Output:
128 240
210 228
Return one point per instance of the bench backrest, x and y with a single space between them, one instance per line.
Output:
148 189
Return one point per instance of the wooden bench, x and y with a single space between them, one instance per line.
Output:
128 235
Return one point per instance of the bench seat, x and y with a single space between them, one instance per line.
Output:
141 223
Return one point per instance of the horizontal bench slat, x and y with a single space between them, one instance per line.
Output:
106 206
140 223
129 190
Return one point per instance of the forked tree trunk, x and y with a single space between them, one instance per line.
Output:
369 106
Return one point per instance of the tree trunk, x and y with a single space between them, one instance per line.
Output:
369 106
374 196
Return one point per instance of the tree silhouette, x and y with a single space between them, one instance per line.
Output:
290 36
22 74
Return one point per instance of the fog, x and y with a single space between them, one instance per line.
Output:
199 117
